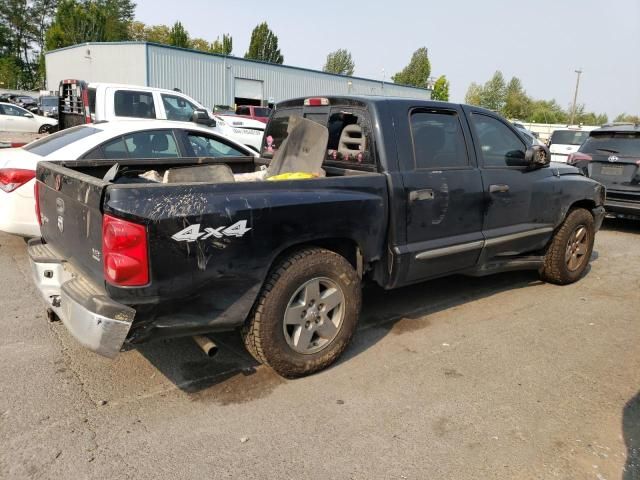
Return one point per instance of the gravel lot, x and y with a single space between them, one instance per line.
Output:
500 377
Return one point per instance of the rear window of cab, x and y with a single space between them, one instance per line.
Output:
49 144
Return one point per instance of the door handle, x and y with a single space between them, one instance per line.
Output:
416 195
498 188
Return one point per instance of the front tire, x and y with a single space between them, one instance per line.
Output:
306 313
45 129
570 250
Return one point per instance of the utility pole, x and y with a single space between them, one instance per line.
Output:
575 96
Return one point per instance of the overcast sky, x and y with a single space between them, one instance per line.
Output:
542 42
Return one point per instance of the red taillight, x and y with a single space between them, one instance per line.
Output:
85 102
578 157
316 102
36 195
12 178
124 251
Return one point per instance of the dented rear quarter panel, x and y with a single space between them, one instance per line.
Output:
213 282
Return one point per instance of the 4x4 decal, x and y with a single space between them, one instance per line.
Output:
193 232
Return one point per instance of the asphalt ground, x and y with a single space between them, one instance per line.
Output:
500 377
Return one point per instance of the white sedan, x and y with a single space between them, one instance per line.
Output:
16 119
113 140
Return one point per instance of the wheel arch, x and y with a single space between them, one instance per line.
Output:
345 247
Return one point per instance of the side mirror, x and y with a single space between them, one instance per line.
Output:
201 117
537 156
27 115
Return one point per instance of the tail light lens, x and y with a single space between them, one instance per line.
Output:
13 178
578 157
36 195
316 102
125 252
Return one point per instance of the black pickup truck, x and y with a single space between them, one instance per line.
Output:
413 190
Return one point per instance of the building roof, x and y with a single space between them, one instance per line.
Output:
190 50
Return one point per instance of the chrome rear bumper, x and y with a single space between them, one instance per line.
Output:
96 321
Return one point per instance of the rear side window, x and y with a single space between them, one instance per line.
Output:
55 141
438 141
624 144
149 144
568 137
130 103
498 143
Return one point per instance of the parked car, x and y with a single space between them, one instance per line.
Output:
105 141
413 190
611 155
256 113
96 102
16 119
48 106
25 101
565 141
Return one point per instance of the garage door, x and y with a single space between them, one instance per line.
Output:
248 89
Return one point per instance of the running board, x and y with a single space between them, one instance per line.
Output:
508 265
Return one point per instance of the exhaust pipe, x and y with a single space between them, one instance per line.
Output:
207 345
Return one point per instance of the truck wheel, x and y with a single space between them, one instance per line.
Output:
306 313
570 250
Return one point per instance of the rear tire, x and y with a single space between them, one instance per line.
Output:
570 250
306 313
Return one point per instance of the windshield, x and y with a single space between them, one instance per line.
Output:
618 143
56 141
49 101
568 137
262 112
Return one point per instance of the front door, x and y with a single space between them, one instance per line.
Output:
443 192
519 200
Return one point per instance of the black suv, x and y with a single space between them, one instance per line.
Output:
611 155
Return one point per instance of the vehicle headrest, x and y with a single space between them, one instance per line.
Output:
352 140
159 143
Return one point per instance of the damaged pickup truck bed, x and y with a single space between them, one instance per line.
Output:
413 190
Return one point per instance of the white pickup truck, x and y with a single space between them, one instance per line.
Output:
82 102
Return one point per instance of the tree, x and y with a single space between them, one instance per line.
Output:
178 36
224 47
517 102
494 93
417 72
79 21
199 44
339 62
474 94
264 45
159 34
624 118
441 89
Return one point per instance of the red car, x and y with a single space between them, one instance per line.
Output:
256 113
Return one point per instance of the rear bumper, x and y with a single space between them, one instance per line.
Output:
17 212
96 321
627 206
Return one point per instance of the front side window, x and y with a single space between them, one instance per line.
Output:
438 141
499 145
130 103
209 146
177 108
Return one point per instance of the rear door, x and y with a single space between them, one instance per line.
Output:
519 201
443 194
